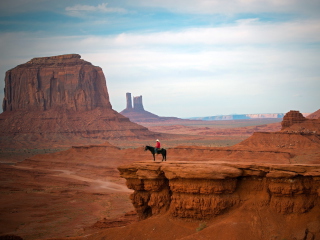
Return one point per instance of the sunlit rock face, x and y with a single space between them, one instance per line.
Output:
57 98
59 82
271 201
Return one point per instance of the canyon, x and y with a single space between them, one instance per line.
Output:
269 179
234 179
260 201
265 187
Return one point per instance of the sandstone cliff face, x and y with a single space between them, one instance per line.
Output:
59 82
207 190
291 118
59 99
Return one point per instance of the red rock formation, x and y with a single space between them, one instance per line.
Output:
129 102
59 82
315 115
252 185
137 103
208 190
291 118
59 98
138 114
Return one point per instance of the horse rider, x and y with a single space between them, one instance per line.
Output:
157 147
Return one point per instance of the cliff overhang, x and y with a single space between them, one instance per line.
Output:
204 190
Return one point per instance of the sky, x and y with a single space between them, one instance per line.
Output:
187 58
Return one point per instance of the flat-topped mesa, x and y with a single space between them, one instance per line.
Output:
67 58
58 82
291 118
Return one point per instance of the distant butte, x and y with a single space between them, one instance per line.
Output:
138 114
59 99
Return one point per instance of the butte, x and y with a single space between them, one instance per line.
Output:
61 100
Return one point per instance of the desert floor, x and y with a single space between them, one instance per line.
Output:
63 192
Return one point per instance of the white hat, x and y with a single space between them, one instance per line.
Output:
157 140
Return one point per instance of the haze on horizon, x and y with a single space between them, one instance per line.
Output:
188 58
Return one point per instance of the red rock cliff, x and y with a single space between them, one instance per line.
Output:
59 82
266 199
58 101
291 118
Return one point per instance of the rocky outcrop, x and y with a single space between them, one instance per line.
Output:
315 115
129 101
137 103
204 190
61 99
250 195
269 185
138 114
59 82
291 118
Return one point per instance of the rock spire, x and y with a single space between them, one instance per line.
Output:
137 103
129 101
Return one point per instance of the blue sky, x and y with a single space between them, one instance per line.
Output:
186 58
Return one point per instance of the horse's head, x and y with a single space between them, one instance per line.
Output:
146 148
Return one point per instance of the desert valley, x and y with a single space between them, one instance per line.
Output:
74 168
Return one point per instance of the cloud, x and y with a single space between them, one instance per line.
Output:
79 10
226 68
306 7
244 32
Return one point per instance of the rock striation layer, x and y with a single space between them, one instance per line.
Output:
61 98
291 118
59 82
260 194
203 190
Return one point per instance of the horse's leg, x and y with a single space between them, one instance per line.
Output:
154 158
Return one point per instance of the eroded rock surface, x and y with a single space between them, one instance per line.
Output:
59 99
58 82
291 118
204 190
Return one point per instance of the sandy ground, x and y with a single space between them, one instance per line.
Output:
74 192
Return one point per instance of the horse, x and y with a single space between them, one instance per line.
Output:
161 150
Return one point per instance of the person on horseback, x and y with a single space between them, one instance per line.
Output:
157 147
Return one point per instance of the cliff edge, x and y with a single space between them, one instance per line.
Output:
266 187
268 201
